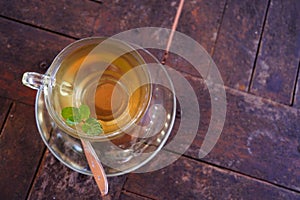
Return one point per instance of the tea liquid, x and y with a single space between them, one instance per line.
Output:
88 76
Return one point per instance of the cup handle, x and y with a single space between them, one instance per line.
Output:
35 80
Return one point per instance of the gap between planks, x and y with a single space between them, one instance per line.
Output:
137 194
219 29
6 116
258 47
38 27
295 86
38 168
253 178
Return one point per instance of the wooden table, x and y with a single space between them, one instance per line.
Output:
256 46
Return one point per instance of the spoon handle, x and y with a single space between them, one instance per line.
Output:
96 167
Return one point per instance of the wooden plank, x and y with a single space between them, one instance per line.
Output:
199 20
297 93
117 16
4 109
120 16
130 196
85 18
56 181
24 48
190 179
238 40
71 17
21 149
260 138
279 53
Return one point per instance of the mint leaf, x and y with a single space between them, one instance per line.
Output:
84 111
68 112
71 115
73 120
92 127
81 116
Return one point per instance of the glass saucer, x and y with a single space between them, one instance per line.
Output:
122 154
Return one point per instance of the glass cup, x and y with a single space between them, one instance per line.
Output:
114 80
87 73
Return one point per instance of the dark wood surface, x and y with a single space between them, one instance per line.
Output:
239 34
274 74
256 47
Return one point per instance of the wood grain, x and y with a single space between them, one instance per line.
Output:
21 150
25 48
75 18
117 16
260 138
199 20
190 179
257 155
237 43
54 180
279 53
78 19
